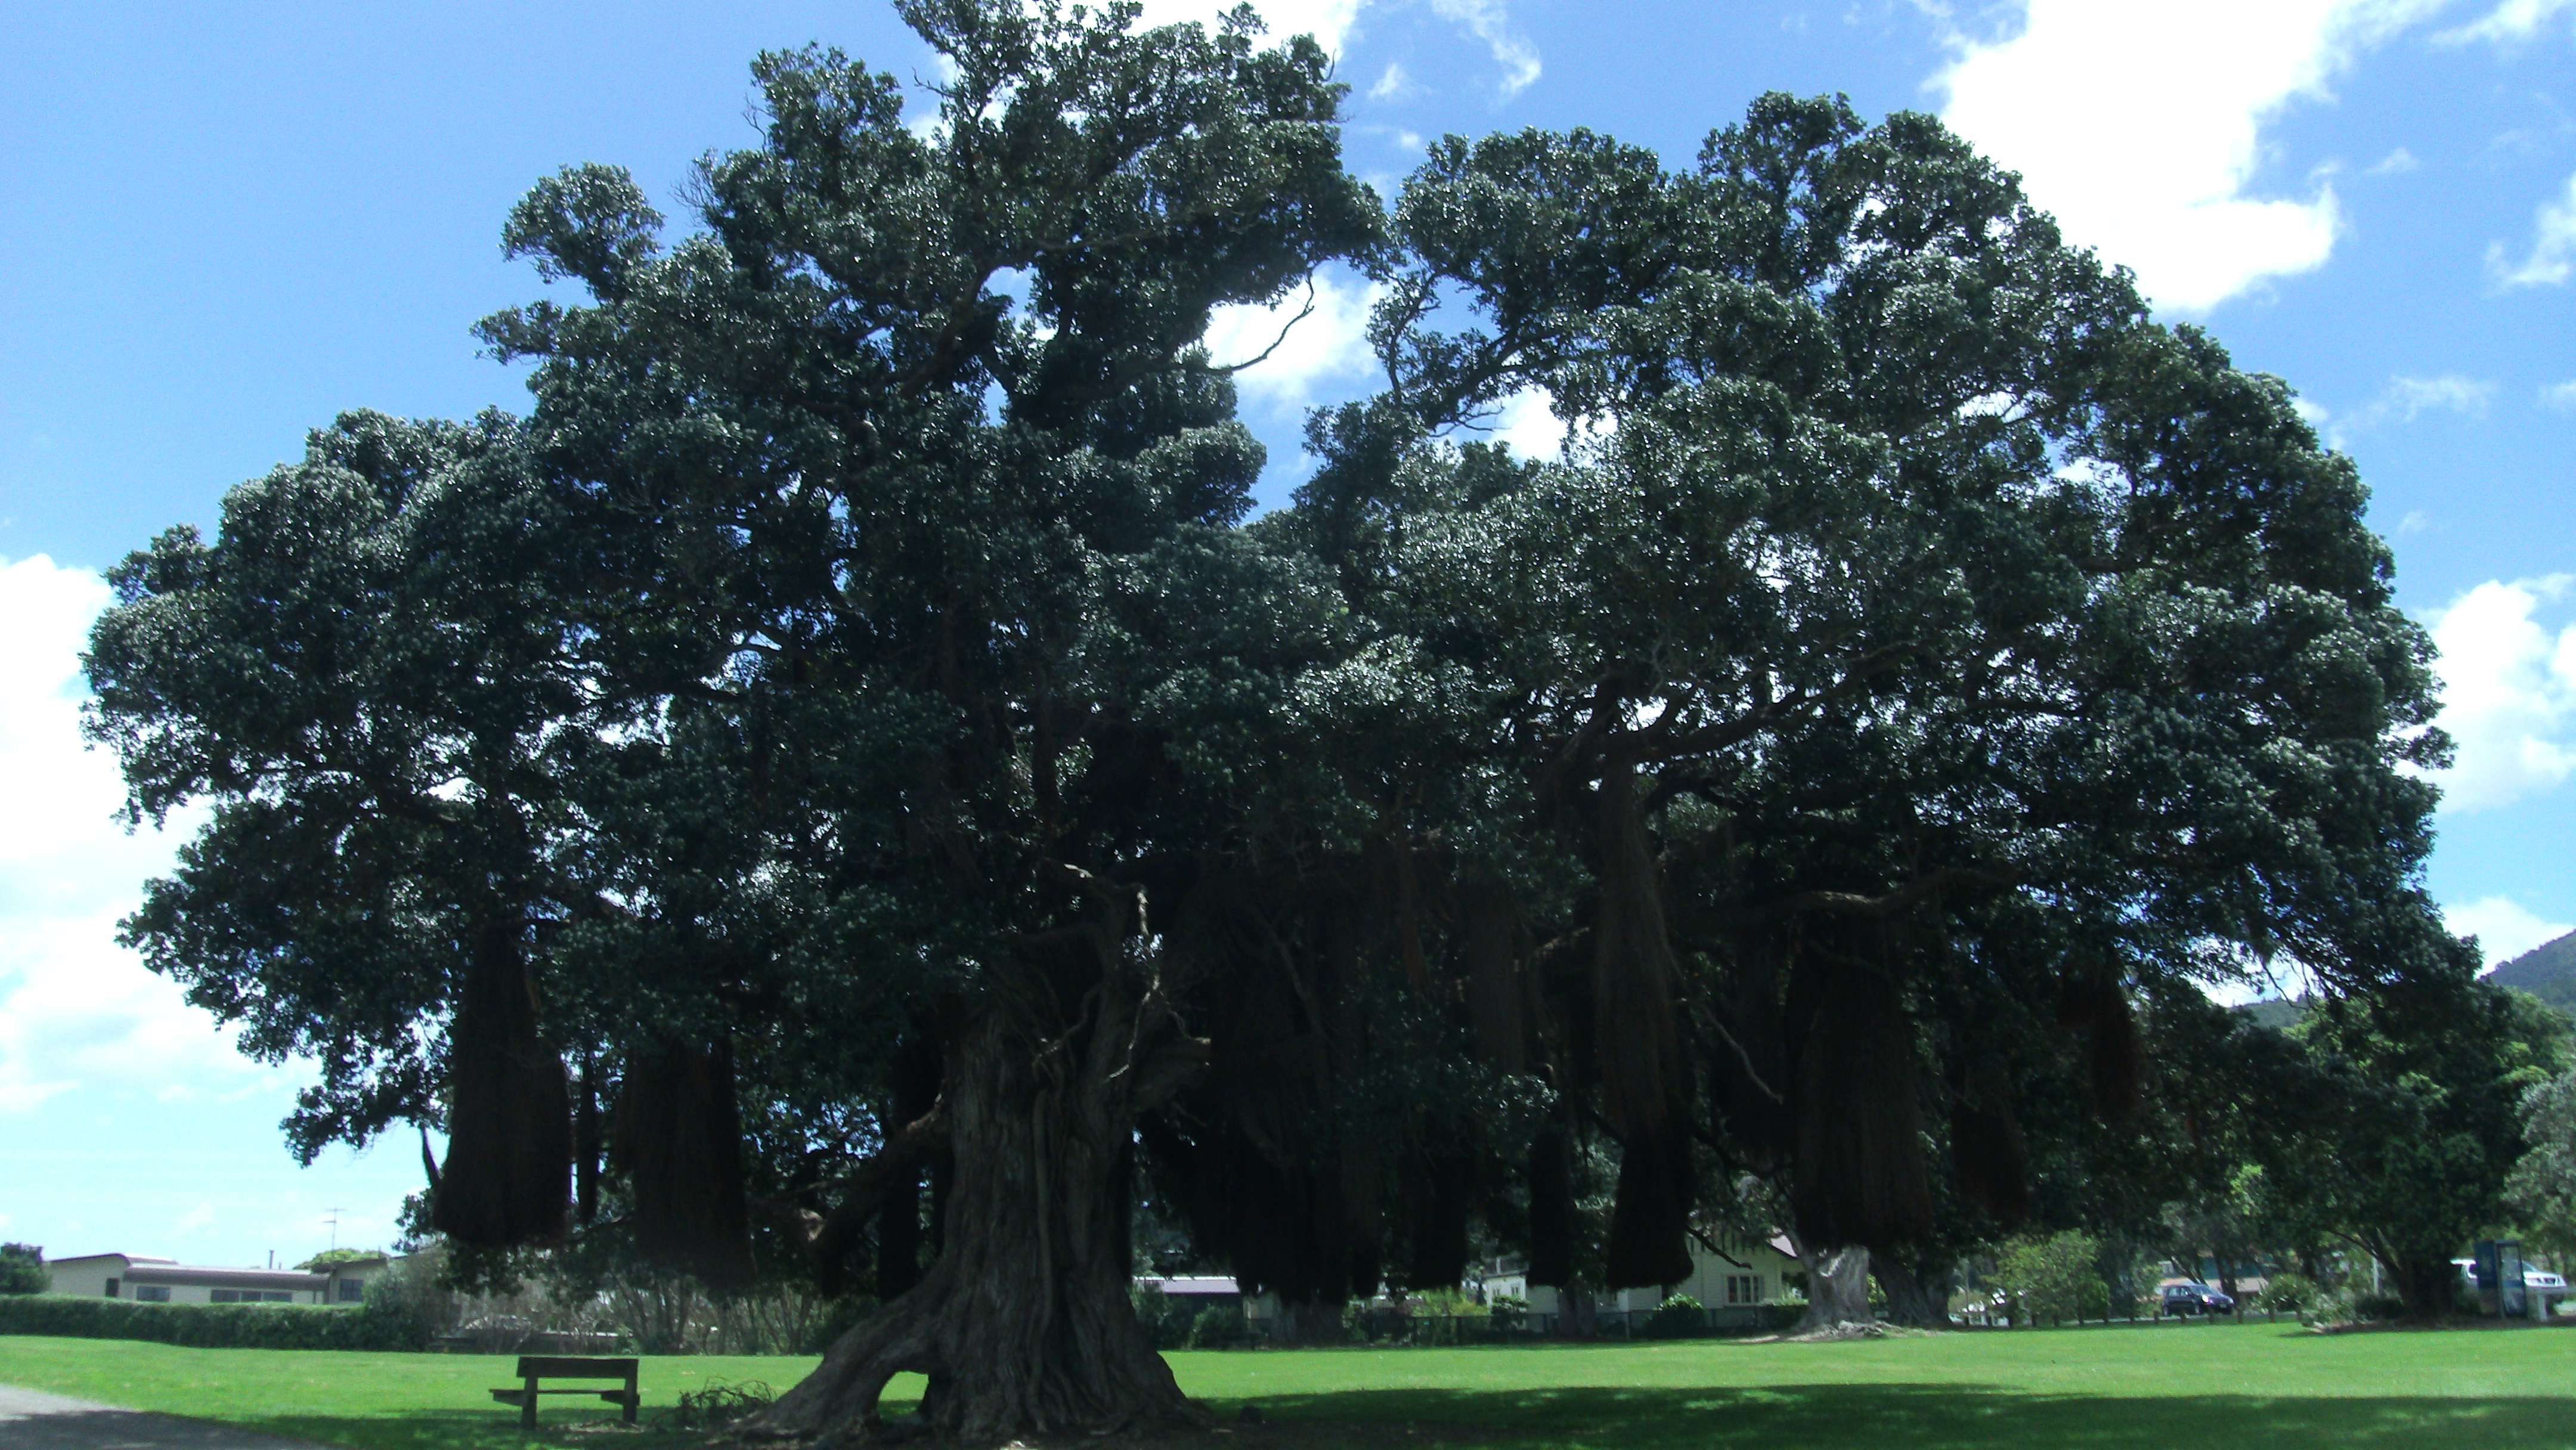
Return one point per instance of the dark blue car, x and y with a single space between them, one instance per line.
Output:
2196 1298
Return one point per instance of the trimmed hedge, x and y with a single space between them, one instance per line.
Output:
211 1326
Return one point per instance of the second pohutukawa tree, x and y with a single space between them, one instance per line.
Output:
849 734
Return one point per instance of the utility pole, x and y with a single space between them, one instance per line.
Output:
334 1221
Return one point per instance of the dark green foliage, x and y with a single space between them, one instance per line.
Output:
22 1270
2052 1278
1679 1317
2393 1122
1218 1326
214 1326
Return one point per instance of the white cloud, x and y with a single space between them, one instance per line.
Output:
2510 23
2140 127
2415 522
1487 21
2508 692
2406 399
1332 22
196 1219
75 1007
2559 397
1329 21
2395 163
2553 246
2505 929
1395 82
1326 344
1528 425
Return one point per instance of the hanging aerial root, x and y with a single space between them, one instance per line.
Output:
1862 1177
679 1138
508 1174
1646 1080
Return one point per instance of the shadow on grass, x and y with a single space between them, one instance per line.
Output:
1774 1417
1834 1416
469 1430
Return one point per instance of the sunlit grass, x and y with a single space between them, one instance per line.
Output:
2166 1386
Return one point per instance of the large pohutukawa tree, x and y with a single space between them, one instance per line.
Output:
1913 624
368 675
922 420
844 735
903 586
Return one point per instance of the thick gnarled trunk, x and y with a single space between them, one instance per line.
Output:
1023 1325
1837 1288
1918 1296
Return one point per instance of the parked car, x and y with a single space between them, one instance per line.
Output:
2195 1298
2533 1278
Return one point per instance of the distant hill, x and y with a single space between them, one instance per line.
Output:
2547 971
2279 1013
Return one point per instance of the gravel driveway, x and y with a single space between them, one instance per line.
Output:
30 1420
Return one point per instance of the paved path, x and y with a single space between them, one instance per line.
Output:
30 1420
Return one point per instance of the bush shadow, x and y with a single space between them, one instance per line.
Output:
1834 1416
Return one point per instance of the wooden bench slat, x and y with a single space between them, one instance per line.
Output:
565 1367
536 1367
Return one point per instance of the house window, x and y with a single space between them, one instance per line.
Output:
111 1288
226 1296
152 1293
280 1296
352 1291
1743 1288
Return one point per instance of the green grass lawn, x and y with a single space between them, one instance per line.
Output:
2197 1387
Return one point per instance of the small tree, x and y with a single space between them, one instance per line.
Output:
2541 1190
2054 1278
22 1270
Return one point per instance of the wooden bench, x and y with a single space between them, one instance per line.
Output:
534 1368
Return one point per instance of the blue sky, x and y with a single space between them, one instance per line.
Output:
228 222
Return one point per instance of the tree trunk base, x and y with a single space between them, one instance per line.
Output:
1023 1325
1915 1300
1837 1290
1095 1379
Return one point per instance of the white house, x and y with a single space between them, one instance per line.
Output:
1196 1292
1726 1272
151 1280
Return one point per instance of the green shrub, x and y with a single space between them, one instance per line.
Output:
22 1270
211 1326
1219 1326
1678 1317
2378 1306
1165 1321
2052 1279
2287 1293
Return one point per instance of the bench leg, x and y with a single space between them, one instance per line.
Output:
631 1398
528 1408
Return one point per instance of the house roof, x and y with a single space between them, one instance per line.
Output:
93 1258
1192 1284
166 1273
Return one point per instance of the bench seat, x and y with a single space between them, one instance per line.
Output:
534 1369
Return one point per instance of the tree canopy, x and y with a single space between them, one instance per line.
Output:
851 734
